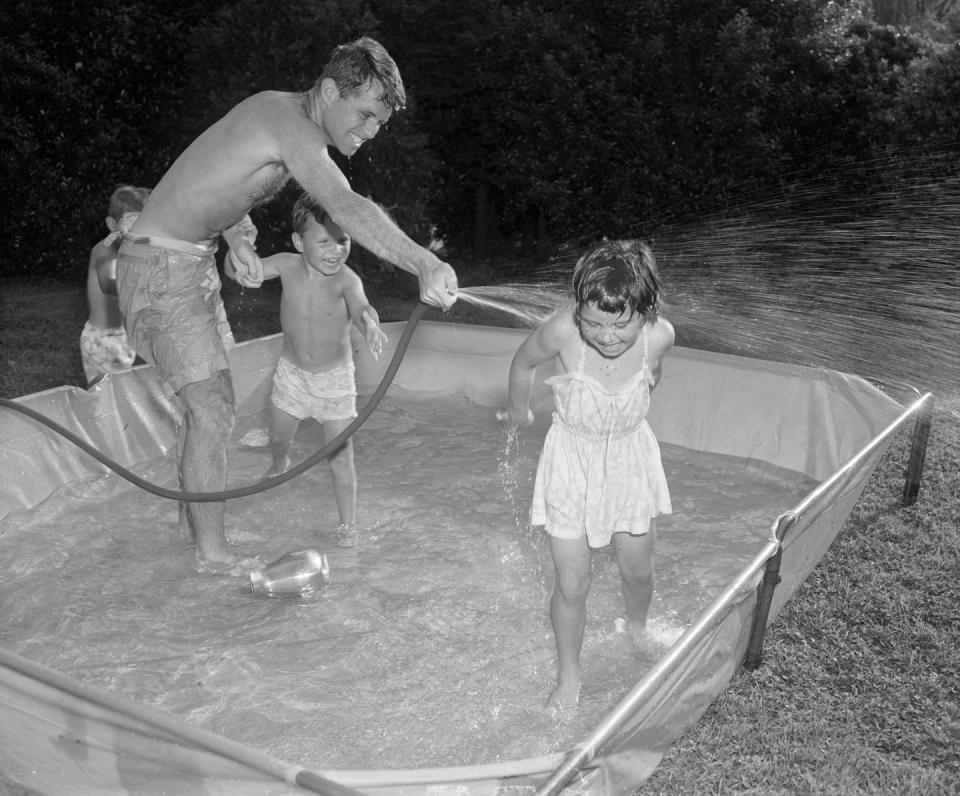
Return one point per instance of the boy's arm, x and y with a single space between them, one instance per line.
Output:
245 265
363 315
270 266
103 259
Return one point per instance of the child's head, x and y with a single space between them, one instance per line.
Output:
353 66
127 199
617 292
618 277
323 244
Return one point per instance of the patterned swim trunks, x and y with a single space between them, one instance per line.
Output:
169 294
104 351
328 395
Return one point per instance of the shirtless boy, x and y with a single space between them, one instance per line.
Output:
103 341
322 298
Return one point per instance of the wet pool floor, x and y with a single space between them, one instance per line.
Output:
430 646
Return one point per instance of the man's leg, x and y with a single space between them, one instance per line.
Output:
208 421
183 518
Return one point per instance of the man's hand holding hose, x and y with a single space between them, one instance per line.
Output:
438 283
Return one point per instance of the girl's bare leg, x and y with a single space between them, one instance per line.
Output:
635 560
568 614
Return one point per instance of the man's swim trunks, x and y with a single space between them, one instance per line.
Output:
104 351
169 292
328 395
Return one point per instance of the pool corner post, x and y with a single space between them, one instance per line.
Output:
918 451
771 577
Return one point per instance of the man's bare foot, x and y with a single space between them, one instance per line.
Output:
235 566
564 698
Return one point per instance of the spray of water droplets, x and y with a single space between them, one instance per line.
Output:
823 274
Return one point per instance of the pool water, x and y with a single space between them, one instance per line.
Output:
430 646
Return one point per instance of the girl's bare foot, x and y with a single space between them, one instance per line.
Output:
564 698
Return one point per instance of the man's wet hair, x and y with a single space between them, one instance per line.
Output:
355 65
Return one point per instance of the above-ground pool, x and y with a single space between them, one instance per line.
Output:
424 664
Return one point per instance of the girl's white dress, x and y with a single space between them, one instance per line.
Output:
600 470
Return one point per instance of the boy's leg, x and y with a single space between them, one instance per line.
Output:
342 471
208 420
568 615
283 426
635 559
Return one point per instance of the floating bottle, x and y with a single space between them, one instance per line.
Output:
296 574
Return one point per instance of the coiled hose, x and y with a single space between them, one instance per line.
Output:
260 486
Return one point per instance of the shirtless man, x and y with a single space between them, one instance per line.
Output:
168 285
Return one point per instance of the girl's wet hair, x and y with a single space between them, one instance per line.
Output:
617 276
305 207
353 66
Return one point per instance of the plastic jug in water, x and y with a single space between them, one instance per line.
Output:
298 573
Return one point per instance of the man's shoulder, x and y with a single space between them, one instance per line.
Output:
269 106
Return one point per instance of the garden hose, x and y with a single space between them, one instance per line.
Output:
260 486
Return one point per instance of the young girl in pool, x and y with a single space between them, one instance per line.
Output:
599 478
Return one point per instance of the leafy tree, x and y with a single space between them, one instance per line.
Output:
91 96
527 122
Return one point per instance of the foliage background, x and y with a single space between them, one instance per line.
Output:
529 124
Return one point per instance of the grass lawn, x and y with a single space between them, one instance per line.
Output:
859 691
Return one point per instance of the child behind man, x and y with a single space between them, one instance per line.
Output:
322 298
103 341
600 479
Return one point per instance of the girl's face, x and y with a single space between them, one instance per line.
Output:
608 333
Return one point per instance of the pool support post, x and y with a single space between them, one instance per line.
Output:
771 577
918 452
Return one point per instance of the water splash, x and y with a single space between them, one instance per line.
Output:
824 275
528 302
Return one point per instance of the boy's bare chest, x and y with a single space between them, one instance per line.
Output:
318 300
